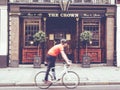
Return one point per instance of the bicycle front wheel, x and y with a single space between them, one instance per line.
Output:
70 80
39 80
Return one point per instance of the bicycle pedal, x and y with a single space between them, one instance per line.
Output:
58 79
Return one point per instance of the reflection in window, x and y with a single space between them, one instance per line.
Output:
93 25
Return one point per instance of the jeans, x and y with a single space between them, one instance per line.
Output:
51 63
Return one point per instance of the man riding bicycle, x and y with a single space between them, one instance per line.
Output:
52 54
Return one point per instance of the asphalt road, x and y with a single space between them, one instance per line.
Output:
88 87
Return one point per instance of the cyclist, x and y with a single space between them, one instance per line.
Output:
51 57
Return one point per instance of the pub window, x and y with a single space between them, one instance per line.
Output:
87 1
78 1
103 1
38 0
30 28
46 0
83 1
93 25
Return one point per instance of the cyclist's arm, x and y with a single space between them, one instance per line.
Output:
64 56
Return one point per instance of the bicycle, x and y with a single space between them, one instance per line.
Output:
70 79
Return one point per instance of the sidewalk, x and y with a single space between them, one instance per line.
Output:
95 75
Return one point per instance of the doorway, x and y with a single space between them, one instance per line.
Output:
58 28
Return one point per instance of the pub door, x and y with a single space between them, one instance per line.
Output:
58 28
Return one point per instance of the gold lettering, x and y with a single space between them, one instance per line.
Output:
76 15
53 15
72 15
68 15
62 15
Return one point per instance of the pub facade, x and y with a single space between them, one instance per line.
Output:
62 19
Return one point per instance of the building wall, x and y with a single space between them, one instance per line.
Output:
3 36
118 35
3 2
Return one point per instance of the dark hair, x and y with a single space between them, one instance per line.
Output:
63 41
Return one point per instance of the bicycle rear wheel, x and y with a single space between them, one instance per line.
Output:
39 80
70 80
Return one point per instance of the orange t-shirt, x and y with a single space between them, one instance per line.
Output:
55 50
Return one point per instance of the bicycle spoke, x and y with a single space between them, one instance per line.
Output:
39 80
70 80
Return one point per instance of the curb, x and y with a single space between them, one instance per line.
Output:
100 83
60 84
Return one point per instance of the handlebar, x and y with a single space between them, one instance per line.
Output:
67 65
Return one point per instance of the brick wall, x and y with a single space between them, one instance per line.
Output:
3 2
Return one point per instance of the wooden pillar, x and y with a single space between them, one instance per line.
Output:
45 44
77 41
45 24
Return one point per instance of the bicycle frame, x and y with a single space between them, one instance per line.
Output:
65 70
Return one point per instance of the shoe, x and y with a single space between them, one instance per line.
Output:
47 82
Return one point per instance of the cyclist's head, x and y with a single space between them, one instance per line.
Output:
63 41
